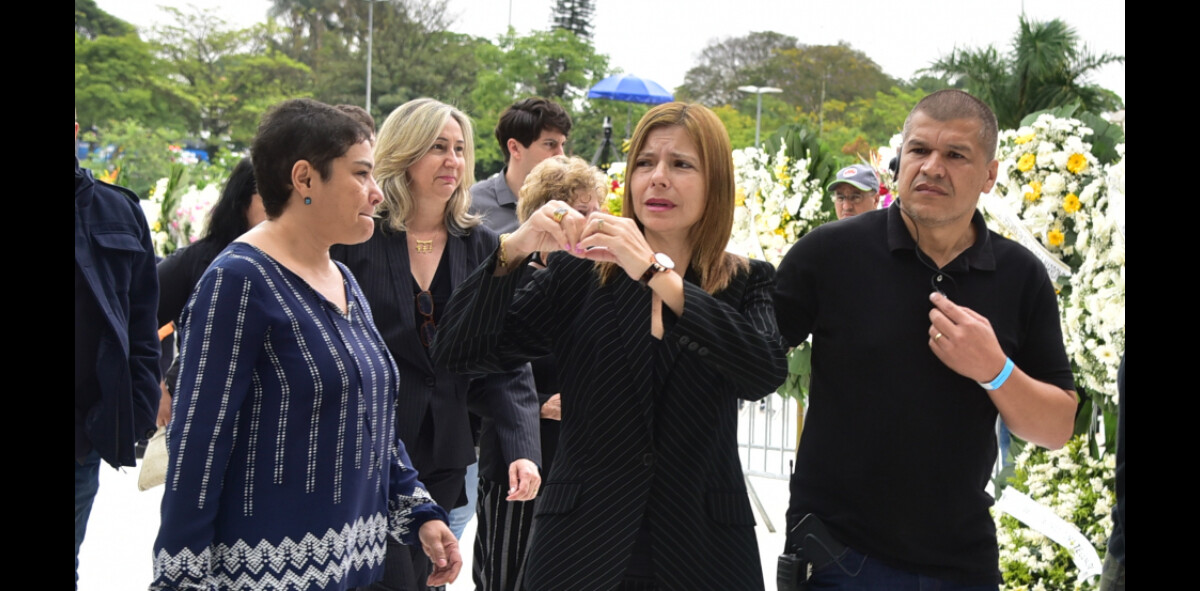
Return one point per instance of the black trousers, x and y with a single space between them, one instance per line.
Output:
501 538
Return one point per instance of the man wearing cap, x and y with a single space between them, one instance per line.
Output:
855 190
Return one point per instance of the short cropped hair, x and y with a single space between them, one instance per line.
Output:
525 120
359 114
710 235
562 178
405 137
295 130
949 104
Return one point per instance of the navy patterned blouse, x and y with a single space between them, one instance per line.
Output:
284 471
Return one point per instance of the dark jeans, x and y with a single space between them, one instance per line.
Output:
87 482
854 571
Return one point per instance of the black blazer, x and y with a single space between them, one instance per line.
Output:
382 268
649 427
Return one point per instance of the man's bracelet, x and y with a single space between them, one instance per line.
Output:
1000 379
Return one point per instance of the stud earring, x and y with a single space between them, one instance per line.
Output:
308 200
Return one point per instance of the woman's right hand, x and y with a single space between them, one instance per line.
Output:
554 226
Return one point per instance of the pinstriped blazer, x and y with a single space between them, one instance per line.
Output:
381 264
631 449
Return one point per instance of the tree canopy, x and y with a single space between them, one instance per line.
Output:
726 64
1046 66
92 22
516 66
228 76
830 89
574 16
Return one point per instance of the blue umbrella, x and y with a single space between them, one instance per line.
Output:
630 88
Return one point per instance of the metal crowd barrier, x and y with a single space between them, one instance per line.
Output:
767 442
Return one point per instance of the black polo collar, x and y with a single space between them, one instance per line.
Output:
978 256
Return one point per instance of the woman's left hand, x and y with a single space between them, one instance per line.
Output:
616 240
441 547
524 480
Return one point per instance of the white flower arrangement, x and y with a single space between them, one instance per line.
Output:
880 159
777 203
191 216
1049 176
1079 489
183 212
1061 196
1093 309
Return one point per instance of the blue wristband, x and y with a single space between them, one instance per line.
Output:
1000 379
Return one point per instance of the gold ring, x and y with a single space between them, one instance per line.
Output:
936 337
599 224
559 214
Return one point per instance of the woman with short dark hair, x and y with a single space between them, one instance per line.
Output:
284 467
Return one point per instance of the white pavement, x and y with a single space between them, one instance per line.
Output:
116 553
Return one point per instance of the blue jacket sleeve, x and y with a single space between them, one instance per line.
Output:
143 335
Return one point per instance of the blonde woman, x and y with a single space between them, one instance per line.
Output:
426 242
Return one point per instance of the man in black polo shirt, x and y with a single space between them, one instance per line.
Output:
956 324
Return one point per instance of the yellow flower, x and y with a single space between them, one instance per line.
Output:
1071 203
1026 162
111 176
1076 163
1055 237
780 232
1035 191
1024 139
740 198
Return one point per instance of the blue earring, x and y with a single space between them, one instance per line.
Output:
308 200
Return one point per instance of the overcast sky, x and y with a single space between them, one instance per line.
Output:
660 39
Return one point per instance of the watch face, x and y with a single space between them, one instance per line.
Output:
664 260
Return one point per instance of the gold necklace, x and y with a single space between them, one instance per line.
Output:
424 246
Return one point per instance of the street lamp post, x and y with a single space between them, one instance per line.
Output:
370 44
759 90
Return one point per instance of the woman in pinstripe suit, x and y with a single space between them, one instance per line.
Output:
660 331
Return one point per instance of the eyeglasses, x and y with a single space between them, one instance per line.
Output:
854 199
428 329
